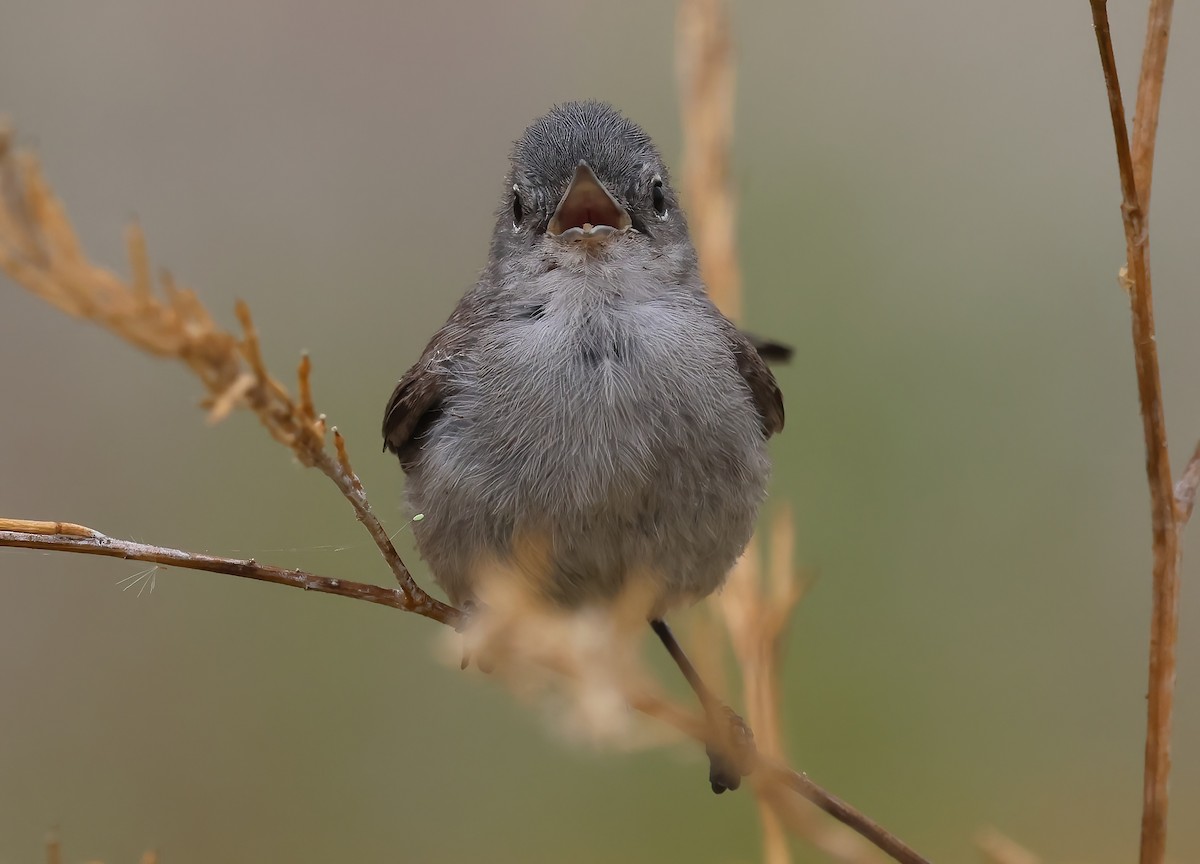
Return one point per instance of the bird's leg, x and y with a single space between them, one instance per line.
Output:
730 748
471 608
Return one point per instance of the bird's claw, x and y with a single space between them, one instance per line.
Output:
734 754
470 609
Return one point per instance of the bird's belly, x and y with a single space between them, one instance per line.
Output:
617 450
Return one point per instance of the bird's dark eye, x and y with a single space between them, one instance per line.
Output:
658 198
518 211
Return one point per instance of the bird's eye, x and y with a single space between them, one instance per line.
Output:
658 198
518 211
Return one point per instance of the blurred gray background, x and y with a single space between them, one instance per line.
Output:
930 213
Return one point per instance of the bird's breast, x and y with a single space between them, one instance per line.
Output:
589 400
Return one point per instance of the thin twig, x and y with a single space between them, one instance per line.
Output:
39 250
1149 97
844 813
26 526
343 458
706 74
705 71
96 543
1136 170
755 615
756 606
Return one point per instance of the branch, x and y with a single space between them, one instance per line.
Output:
755 615
65 537
844 813
39 250
1136 171
706 76
1149 96
59 537
756 606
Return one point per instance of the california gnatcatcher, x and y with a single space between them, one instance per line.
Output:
587 417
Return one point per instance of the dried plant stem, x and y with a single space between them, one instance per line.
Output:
39 250
1149 97
87 541
755 615
337 468
1136 171
706 78
38 535
844 813
756 606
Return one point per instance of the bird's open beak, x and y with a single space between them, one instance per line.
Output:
587 209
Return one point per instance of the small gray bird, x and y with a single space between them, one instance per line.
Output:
587 417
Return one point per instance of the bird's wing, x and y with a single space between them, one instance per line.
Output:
769 349
767 397
417 400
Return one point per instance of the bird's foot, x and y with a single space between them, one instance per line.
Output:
471 608
731 751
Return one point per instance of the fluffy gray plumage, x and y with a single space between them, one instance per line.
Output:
587 396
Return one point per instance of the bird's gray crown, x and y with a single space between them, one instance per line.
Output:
615 147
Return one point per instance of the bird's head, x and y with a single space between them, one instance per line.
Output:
585 178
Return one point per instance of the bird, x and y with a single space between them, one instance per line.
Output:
587 420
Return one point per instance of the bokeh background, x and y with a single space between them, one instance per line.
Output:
929 213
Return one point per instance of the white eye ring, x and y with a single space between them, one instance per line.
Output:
518 209
659 198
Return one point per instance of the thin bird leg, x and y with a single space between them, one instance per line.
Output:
730 749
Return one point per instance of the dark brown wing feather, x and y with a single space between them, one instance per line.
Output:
767 397
418 397
769 349
414 405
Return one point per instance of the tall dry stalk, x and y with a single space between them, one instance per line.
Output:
757 602
1170 504
40 251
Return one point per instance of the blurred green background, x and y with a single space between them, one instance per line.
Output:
930 213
